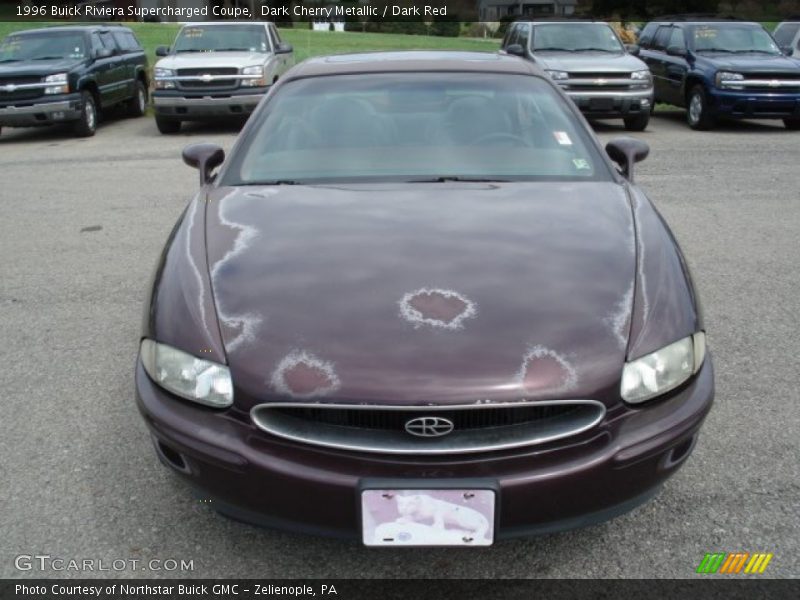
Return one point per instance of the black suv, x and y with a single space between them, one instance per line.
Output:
721 68
68 74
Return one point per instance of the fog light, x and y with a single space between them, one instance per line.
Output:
58 116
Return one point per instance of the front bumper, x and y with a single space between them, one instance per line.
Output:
597 475
612 104
59 109
188 106
742 104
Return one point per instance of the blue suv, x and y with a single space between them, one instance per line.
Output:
721 68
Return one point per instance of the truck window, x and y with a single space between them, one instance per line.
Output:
786 33
677 38
662 37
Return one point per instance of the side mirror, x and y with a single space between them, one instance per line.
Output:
162 50
633 49
677 51
284 49
103 53
205 158
516 50
626 151
787 50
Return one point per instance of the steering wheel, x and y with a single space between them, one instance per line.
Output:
500 136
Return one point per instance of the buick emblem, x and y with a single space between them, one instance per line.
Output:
429 426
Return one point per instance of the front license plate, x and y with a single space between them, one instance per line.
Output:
428 517
601 104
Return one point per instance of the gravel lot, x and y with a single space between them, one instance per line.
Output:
81 225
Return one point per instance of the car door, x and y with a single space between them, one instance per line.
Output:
130 55
117 89
283 60
675 68
103 69
658 62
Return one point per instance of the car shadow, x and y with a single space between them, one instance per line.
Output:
726 126
60 132
218 126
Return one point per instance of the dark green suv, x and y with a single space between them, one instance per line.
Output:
68 74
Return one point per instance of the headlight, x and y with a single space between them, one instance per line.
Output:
62 81
725 78
663 370
643 78
187 376
159 75
256 81
558 75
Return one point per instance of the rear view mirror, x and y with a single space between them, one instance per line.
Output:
103 53
284 49
162 50
205 158
677 51
633 49
515 50
626 151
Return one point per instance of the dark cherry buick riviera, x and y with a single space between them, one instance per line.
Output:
419 304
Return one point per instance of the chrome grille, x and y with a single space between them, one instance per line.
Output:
597 82
381 429
214 84
35 90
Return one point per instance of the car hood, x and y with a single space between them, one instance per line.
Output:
198 60
38 68
590 62
429 293
752 63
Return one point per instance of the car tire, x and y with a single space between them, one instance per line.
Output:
168 126
698 115
86 126
138 104
792 124
638 122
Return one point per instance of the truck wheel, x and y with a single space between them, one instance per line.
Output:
637 123
138 104
697 113
792 124
87 123
168 125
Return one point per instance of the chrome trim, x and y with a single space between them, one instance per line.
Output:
206 100
207 78
13 87
46 107
765 83
399 442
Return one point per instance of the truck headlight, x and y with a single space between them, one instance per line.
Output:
62 84
728 79
642 79
160 75
663 370
558 75
187 376
256 72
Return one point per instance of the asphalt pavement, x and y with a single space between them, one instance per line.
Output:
82 222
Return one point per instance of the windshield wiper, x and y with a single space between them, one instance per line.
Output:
232 50
552 49
5 60
716 50
595 50
447 178
274 182
188 50
47 57
754 52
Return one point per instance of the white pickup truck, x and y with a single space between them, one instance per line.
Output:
215 70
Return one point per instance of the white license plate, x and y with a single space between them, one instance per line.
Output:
427 517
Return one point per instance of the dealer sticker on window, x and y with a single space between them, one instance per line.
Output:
428 517
562 137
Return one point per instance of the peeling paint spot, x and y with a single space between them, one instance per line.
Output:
545 369
303 375
247 323
619 320
438 308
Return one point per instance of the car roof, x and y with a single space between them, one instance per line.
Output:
704 21
102 27
213 23
414 61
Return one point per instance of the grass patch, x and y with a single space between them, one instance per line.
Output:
307 43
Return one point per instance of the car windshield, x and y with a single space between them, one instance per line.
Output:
43 46
415 128
732 39
575 37
222 38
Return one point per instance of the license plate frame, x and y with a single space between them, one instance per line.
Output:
429 516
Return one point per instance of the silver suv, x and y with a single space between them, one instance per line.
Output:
603 77
213 70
